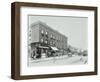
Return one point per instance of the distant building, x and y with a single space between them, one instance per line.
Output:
44 39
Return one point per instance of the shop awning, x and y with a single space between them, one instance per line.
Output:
54 48
43 47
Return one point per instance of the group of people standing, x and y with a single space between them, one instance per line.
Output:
37 53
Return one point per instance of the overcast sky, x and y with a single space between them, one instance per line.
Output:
75 28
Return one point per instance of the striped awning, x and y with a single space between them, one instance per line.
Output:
54 48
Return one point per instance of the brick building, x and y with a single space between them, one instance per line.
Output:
44 39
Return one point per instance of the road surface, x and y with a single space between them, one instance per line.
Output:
74 60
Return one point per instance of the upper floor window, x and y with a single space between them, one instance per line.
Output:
41 40
30 31
54 37
42 31
50 42
46 33
51 36
30 35
46 41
